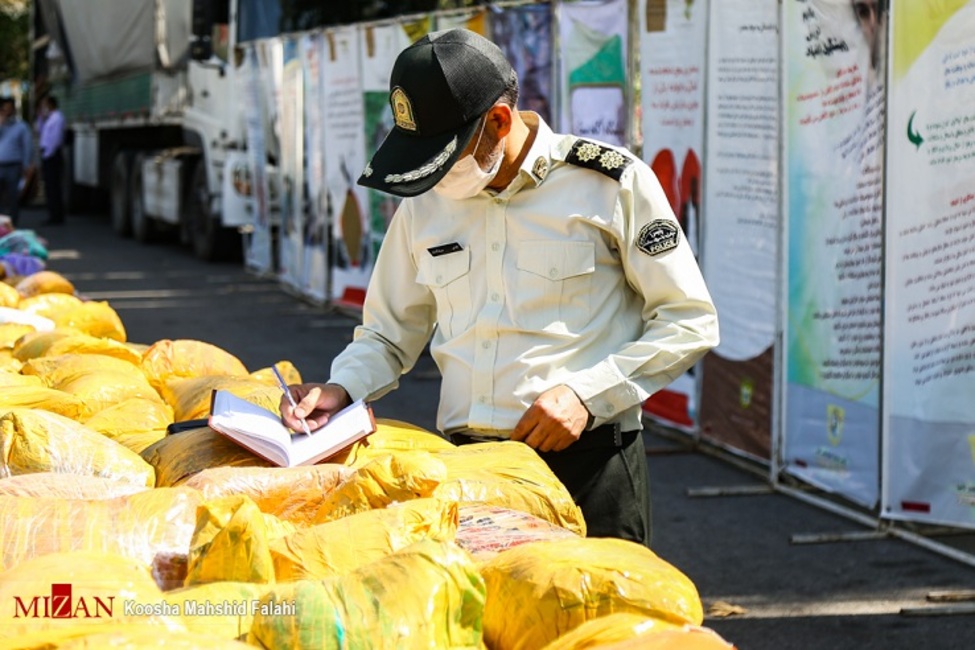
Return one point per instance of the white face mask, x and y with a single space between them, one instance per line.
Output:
466 178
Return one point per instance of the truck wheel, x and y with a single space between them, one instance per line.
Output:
210 240
120 204
143 229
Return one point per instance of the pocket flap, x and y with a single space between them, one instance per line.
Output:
444 269
557 260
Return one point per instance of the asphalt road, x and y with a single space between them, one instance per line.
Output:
763 589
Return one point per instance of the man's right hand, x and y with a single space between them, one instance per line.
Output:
316 403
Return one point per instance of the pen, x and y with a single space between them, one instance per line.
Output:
291 400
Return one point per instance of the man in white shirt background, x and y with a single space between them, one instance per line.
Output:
50 129
547 272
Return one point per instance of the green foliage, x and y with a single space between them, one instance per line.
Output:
14 40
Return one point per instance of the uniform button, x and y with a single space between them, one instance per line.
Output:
482 399
486 344
495 297
553 272
495 246
499 201
439 279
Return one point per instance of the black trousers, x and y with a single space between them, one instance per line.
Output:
605 471
52 169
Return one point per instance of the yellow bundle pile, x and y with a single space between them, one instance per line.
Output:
178 457
190 398
49 305
231 542
510 475
484 531
68 341
689 637
26 394
222 610
43 282
609 629
288 372
9 378
337 547
391 436
9 296
153 527
559 585
38 441
10 333
134 423
166 360
428 595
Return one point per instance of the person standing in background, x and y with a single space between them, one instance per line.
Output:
50 129
16 150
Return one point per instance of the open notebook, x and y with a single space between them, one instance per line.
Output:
261 431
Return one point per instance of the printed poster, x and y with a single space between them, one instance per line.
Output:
833 121
345 201
742 234
291 164
673 37
524 34
929 306
314 267
593 47
257 242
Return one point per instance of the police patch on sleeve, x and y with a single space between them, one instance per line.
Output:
658 236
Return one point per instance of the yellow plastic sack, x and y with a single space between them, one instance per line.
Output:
511 475
179 456
96 318
9 296
612 628
190 398
57 369
198 607
10 333
38 441
559 585
100 583
287 370
134 423
689 637
66 486
153 527
69 341
382 481
44 282
7 361
100 389
230 543
269 487
49 305
185 358
45 399
339 546
16 379
428 595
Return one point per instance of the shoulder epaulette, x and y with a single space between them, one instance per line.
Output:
597 157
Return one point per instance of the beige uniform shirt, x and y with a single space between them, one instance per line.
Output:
562 278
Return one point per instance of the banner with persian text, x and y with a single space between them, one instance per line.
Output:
593 50
257 242
524 34
833 127
291 166
673 39
314 266
929 307
741 240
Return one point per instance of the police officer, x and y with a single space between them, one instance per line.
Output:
547 272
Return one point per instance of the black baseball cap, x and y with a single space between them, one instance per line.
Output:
438 89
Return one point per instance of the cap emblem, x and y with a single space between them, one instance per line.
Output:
402 109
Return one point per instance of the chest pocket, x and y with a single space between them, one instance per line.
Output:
448 277
554 284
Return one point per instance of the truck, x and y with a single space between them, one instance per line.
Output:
150 93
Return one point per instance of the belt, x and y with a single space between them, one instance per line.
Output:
603 437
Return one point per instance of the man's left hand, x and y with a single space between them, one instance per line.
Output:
554 421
